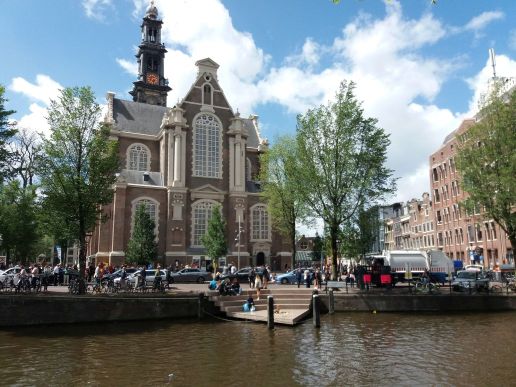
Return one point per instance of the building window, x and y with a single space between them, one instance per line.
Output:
207 147
248 169
201 215
138 158
151 208
260 223
471 234
435 174
437 197
493 230
207 96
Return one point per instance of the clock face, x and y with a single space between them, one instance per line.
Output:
152 79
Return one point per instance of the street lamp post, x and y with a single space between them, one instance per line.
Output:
237 239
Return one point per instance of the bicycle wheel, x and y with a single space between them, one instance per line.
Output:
495 288
434 288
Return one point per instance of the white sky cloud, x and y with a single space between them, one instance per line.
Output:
96 9
41 92
481 21
130 67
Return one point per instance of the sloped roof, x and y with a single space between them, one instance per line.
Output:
136 177
137 117
253 138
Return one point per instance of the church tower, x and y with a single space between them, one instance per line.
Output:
151 86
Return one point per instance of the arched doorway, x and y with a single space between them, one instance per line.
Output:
260 259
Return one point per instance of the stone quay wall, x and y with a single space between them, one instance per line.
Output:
17 310
421 303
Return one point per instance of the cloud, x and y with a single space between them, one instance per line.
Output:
130 67
481 21
505 68
42 92
96 9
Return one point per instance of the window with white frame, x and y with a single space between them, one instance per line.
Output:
151 208
260 222
138 158
201 215
207 146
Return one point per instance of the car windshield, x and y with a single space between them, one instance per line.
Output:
466 275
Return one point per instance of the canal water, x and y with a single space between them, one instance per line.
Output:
349 349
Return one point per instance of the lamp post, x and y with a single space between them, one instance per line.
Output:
237 239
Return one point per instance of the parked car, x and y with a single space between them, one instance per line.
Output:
242 275
190 275
467 279
118 273
9 272
290 278
150 274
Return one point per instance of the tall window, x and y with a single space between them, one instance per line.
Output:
260 222
201 215
151 207
206 95
138 158
207 147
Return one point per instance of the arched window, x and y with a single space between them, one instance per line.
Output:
201 215
138 158
207 146
260 222
151 207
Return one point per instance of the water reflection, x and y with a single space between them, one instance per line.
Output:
349 349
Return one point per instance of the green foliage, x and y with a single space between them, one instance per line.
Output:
78 167
142 247
215 239
487 162
360 233
18 222
280 189
341 157
7 130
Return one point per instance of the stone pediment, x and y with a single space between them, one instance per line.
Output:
207 192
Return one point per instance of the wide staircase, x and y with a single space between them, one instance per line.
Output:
291 305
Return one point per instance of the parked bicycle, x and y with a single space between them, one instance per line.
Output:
426 287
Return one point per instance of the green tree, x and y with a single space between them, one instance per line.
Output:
78 167
26 150
7 130
341 162
360 233
19 222
280 189
214 240
142 247
487 161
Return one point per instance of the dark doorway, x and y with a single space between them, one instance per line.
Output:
260 259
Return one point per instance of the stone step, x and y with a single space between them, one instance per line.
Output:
277 301
238 308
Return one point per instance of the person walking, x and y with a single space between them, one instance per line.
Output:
266 277
252 277
56 274
299 276
258 285
307 278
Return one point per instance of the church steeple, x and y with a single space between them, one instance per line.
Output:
151 86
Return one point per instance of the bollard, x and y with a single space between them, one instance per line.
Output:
200 305
270 312
331 302
316 311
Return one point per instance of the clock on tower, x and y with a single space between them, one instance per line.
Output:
152 79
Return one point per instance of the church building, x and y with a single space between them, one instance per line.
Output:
180 162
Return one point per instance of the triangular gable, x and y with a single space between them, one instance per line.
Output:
207 191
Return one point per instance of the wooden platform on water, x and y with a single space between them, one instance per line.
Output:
291 306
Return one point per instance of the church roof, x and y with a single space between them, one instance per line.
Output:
253 137
136 117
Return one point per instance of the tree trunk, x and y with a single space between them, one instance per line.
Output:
293 260
334 253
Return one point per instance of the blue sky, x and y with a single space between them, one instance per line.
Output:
419 68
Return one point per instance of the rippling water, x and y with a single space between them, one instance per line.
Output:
348 349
